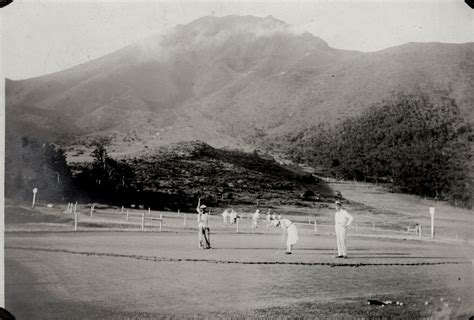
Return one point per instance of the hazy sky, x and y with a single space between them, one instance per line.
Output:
41 37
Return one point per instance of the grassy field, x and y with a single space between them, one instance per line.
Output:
110 269
451 222
110 275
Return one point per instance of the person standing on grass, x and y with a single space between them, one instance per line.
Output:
269 218
255 218
291 231
225 216
203 226
274 217
342 221
233 217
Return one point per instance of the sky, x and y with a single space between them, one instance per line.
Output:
41 37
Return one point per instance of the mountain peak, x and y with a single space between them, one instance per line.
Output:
226 79
212 25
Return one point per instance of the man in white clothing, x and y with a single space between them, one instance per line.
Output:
233 217
269 218
255 218
225 216
342 221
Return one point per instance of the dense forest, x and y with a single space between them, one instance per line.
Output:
417 145
170 177
32 164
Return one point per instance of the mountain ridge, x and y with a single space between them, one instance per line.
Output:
228 81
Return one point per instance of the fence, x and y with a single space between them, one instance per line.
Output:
145 219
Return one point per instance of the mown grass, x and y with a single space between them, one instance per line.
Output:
20 215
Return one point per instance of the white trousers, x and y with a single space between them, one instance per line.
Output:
341 240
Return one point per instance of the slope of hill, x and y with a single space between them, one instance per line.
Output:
229 81
143 85
174 176
308 93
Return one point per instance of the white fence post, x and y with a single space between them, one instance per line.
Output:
122 210
143 221
149 212
75 221
315 226
35 190
92 209
419 232
237 223
126 219
432 212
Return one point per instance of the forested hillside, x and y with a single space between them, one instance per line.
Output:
419 145
174 176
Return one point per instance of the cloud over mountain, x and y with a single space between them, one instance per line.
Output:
222 80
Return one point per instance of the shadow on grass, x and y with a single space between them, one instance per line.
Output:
388 256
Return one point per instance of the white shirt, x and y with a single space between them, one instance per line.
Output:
203 220
285 223
343 218
256 215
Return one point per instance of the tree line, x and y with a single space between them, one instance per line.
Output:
30 164
419 145
171 177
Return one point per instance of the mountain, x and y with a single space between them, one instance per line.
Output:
228 81
313 90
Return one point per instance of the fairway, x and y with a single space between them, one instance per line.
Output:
110 275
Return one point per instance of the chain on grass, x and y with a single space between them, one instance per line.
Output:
217 261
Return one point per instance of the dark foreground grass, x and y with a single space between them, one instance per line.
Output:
416 305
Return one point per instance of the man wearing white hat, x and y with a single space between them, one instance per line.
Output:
203 226
342 221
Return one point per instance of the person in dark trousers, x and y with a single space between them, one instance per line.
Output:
203 226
